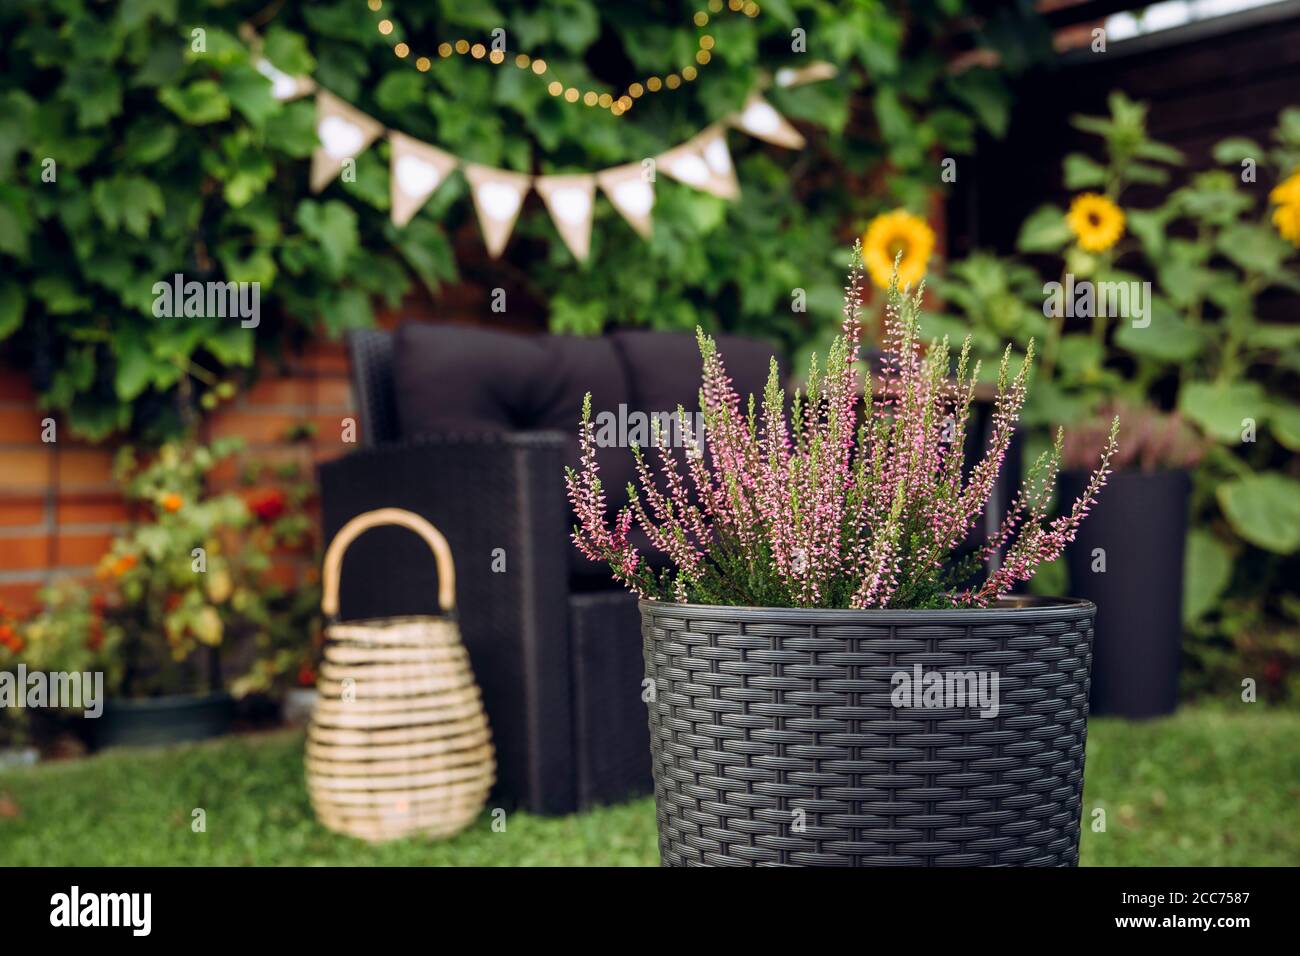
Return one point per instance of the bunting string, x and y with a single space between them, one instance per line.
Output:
418 169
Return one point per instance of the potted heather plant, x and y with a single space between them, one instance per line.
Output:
1129 557
826 685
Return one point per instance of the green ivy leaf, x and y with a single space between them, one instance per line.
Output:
130 202
333 226
136 367
148 141
15 224
95 92
233 344
346 309
400 91
133 14
294 130
983 91
12 304
1265 510
575 24
424 247
198 104
59 296
250 93
288 51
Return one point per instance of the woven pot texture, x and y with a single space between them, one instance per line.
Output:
398 742
775 741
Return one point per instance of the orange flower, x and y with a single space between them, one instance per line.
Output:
123 564
9 639
171 502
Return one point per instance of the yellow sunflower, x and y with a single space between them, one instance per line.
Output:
890 234
1288 191
1097 223
1286 217
1287 220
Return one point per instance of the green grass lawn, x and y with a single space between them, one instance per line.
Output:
1200 788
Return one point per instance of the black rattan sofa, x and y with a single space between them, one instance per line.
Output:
472 429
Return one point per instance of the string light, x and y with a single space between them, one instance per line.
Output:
618 105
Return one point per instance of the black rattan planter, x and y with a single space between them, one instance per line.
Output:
1141 523
775 741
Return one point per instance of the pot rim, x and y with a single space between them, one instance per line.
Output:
1015 609
172 701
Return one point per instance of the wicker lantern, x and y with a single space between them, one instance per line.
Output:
398 742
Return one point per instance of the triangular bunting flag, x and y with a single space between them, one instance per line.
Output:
344 132
712 144
760 119
687 164
570 200
632 193
283 86
812 73
498 197
415 172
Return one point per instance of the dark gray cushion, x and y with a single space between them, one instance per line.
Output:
466 380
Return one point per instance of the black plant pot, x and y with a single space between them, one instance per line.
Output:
156 721
776 739
1140 523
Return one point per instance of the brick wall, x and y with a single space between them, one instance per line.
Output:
59 507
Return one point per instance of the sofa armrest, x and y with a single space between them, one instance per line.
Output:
499 500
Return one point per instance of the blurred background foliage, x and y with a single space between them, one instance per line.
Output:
1203 355
170 160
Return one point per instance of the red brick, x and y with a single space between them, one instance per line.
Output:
25 469
85 466
280 390
332 392
106 507
20 510
323 357
80 550
20 426
28 552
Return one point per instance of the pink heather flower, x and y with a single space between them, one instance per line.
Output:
844 502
